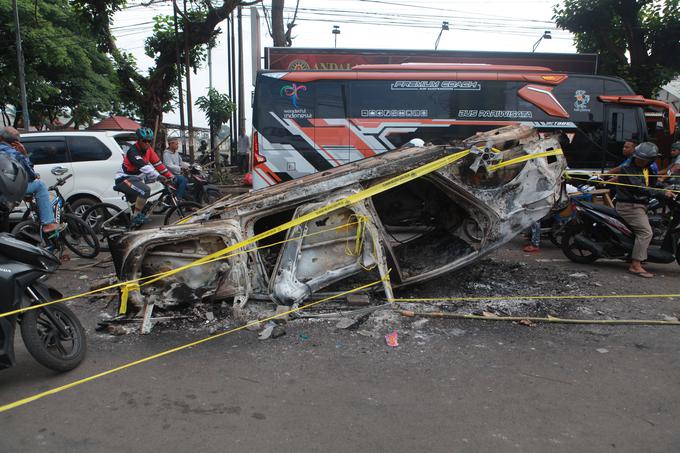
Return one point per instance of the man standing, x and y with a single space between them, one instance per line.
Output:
632 199
10 143
243 150
173 161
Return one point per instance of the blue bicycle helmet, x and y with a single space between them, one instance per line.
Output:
144 133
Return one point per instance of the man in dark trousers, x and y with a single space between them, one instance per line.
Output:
632 198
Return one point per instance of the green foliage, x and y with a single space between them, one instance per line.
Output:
163 39
638 40
65 72
217 108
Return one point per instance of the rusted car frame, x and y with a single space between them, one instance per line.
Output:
420 230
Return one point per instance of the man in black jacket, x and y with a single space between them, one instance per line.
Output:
631 202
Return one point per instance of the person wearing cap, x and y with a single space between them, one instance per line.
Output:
10 144
673 172
173 161
627 151
632 198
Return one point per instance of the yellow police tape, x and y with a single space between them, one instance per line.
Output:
547 319
367 193
527 157
416 300
569 177
133 285
347 201
38 396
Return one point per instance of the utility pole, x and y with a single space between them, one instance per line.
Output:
212 132
179 80
209 67
241 91
20 62
187 65
234 133
230 89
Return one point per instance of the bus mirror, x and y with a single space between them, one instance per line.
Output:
668 120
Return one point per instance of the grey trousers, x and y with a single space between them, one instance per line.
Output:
635 215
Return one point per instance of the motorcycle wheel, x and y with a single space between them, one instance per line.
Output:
211 196
47 345
572 251
28 231
556 234
182 210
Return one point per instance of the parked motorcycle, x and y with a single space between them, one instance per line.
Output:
198 189
53 334
599 232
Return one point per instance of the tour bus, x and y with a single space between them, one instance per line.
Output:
310 121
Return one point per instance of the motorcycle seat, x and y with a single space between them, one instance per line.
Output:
601 208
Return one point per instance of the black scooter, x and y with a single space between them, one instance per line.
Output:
599 232
198 188
52 334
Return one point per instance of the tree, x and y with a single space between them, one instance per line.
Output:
154 92
638 40
66 75
281 38
217 108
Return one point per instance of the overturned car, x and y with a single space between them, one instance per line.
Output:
438 222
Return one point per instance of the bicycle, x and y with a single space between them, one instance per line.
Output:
78 236
108 219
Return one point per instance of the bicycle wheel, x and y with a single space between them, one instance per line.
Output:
106 219
79 237
182 210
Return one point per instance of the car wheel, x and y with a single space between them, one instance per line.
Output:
80 205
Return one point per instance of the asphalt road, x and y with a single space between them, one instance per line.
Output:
450 385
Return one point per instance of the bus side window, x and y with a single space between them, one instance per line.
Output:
332 135
616 126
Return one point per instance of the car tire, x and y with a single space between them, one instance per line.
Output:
82 204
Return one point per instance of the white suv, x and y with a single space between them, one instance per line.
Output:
93 157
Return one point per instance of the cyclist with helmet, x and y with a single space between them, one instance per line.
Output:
632 199
10 145
141 165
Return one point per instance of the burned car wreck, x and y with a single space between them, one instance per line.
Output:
431 225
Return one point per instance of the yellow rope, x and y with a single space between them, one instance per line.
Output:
38 396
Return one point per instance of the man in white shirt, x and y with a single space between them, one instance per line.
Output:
242 150
173 161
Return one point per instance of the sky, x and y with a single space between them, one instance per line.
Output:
501 25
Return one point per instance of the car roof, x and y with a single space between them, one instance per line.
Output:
76 133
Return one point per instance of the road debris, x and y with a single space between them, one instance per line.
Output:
392 339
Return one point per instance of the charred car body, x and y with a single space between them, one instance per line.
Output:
421 229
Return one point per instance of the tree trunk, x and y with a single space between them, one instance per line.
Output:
278 33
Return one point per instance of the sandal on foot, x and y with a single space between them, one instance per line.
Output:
643 274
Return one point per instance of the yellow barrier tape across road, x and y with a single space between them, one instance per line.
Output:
38 396
571 178
347 201
518 160
548 319
415 300
132 285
